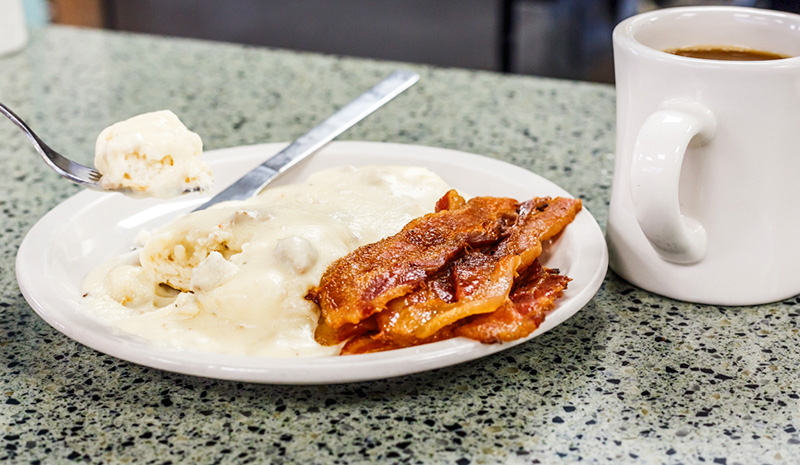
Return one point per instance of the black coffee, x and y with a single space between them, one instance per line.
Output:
718 52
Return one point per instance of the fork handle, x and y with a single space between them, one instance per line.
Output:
251 183
37 143
66 168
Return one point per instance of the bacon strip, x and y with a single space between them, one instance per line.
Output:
469 269
360 284
532 299
481 279
450 201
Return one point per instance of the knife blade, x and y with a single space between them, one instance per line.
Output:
254 181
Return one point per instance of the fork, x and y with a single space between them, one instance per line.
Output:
251 183
66 168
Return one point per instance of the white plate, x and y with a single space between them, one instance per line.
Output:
89 227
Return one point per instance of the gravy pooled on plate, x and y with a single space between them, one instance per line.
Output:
232 279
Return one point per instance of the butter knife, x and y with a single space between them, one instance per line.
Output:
251 183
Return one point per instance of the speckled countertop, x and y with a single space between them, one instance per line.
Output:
633 377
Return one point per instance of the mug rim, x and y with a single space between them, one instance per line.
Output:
623 35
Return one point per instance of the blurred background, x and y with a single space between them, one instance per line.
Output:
554 38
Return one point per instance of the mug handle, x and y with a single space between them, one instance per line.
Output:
655 168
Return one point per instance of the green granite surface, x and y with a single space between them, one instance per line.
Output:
632 378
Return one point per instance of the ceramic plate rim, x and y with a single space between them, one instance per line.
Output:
61 312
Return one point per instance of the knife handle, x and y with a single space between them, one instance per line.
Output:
251 183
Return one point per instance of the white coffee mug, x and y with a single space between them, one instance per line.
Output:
13 32
705 205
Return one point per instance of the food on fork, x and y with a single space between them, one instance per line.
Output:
469 269
152 155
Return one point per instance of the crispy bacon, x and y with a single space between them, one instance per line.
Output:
533 297
326 335
360 284
450 201
480 280
404 291
419 315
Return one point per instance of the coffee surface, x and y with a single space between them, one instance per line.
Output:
717 52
